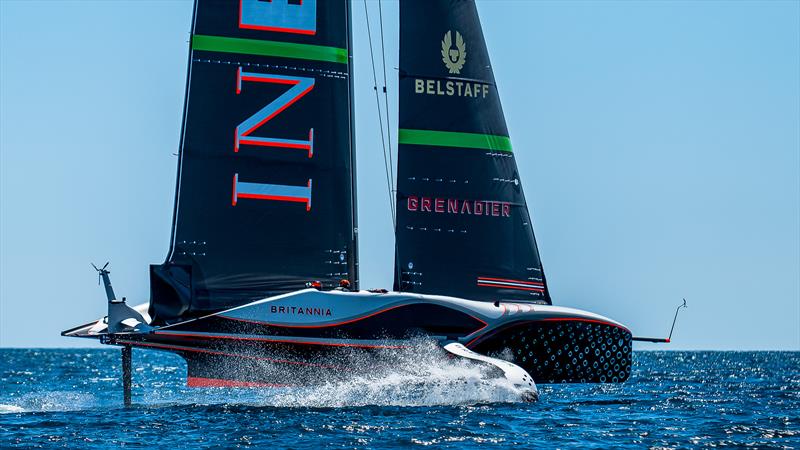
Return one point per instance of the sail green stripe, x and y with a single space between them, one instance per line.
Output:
269 48
454 139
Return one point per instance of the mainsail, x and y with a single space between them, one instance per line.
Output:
265 199
463 227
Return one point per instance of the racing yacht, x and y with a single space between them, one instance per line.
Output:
260 286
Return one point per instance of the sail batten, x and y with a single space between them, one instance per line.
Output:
463 226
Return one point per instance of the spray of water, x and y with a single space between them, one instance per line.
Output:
50 401
421 375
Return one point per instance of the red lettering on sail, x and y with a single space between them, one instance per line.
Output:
443 205
413 203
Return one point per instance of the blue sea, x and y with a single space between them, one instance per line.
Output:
73 399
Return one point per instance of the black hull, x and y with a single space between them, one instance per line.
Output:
313 337
563 351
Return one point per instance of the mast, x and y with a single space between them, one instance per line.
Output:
183 134
463 227
352 261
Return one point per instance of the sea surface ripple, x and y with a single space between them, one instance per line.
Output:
72 399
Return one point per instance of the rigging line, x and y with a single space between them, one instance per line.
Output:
380 118
388 168
386 97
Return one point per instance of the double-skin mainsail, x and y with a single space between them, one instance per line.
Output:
265 199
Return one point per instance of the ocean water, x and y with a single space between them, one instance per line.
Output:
72 399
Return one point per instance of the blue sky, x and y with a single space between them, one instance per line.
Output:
658 144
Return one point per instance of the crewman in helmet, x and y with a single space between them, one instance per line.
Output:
344 285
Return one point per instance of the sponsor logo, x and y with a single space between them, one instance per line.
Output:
451 88
300 310
454 58
438 205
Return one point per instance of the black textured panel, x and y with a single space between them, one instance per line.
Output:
565 351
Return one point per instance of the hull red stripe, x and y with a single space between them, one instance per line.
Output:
532 283
519 288
217 382
181 348
565 319
279 341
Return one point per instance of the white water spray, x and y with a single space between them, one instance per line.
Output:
422 375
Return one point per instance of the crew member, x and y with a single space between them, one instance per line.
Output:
344 285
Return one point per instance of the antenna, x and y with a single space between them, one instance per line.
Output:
666 340
102 276
676 318
101 271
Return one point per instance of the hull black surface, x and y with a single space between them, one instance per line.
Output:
311 337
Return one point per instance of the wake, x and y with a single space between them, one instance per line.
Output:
422 375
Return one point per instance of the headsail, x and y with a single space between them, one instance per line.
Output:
265 199
463 226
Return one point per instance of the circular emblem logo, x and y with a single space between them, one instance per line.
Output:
454 57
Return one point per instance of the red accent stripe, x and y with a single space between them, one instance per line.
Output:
310 142
197 382
308 200
280 341
277 29
533 283
278 111
239 80
565 319
231 355
233 200
244 141
510 287
472 341
274 197
269 80
281 30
